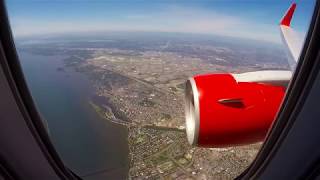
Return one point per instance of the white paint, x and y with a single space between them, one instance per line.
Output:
293 44
267 77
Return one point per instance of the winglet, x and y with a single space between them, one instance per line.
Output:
286 19
290 38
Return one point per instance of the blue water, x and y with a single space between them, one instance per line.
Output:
90 146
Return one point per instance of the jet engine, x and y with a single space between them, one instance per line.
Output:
222 111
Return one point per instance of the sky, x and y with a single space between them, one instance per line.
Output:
252 19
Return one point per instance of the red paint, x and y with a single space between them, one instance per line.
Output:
286 20
222 125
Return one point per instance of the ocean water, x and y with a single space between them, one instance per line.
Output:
89 145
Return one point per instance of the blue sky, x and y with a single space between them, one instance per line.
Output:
239 18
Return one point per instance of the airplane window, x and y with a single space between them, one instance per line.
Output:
158 89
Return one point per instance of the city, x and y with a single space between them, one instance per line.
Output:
139 84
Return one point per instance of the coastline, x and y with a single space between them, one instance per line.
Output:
100 112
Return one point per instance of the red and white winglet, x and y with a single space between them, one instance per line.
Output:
290 38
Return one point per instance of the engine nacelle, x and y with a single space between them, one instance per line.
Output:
222 112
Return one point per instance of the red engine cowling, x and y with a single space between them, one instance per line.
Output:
222 112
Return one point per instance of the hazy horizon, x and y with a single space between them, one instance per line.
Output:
245 19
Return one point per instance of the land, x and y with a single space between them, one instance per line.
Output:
139 82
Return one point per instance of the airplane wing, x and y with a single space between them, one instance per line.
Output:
280 78
293 44
290 38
